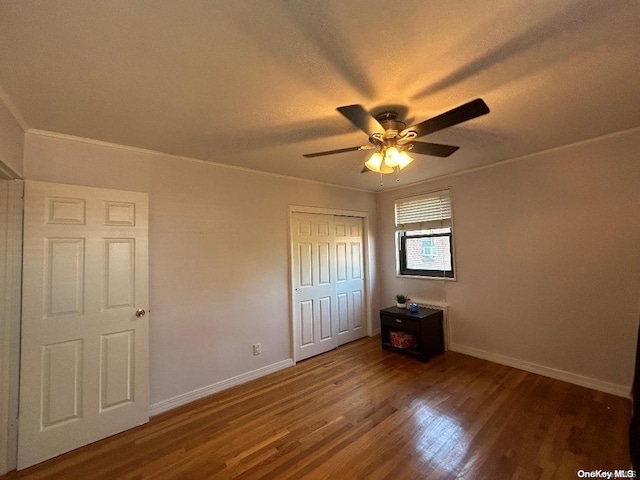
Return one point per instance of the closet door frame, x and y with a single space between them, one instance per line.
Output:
366 265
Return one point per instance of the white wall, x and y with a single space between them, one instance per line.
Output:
547 260
218 253
11 142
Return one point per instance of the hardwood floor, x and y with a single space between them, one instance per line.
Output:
360 412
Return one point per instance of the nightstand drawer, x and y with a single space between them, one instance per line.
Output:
406 324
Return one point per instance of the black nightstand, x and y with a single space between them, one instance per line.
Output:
425 326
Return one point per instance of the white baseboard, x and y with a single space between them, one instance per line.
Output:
588 382
171 403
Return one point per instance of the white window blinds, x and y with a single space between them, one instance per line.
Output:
423 212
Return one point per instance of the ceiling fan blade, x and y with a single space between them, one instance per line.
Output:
364 169
468 111
331 152
357 115
433 149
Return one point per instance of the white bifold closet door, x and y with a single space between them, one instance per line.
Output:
85 335
328 282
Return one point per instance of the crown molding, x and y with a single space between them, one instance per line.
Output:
7 172
6 101
91 141
517 159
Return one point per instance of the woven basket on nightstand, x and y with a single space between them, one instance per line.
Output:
401 339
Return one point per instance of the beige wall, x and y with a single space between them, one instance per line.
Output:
11 141
547 256
547 259
218 253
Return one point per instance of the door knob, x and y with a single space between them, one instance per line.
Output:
140 312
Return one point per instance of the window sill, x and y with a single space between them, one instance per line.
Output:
422 277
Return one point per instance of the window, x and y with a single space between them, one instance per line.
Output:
425 235
426 253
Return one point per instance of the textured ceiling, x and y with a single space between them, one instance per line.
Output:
256 83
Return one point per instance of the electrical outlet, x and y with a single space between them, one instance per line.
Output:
257 349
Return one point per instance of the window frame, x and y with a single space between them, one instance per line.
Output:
424 215
402 257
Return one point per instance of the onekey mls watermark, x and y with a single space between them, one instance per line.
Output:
609 474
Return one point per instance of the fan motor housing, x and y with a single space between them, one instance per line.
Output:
389 121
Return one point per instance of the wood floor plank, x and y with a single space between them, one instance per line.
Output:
361 412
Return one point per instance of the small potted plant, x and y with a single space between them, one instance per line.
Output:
401 300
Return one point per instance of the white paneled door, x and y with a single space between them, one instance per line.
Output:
84 351
349 279
328 282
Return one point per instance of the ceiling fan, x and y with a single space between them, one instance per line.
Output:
392 139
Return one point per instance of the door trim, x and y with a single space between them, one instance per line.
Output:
10 314
293 330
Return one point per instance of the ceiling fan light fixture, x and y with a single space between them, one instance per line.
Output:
404 159
377 164
384 168
392 139
392 156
